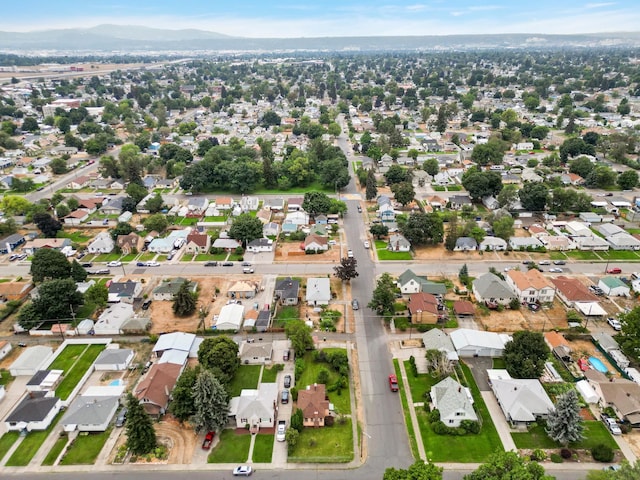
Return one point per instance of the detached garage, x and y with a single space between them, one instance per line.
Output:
476 343
32 359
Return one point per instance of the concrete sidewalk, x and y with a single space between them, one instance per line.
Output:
412 412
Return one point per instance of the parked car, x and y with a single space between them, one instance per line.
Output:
247 270
615 324
152 264
122 417
281 431
87 265
284 398
242 471
13 257
393 383
227 264
287 381
102 271
359 209
350 253
140 264
555 270
208 439
559 262
147 304
114 263
286 354
367 244
612 425
246 264
354 304
614 270
211 264
544 262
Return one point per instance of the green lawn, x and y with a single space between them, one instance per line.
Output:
205 257
6 442
187 257
246 378
85 448
107 257
5 377
405 409
284 314
220 219
419 385
499 363
86 310
30 445
384 254
263 448
583 255
72 377
68 357
53 454
315 186
187 221
594 432
146 257
325 445
633 231
269 375
76 237
619 255
466 448
232 448
342 402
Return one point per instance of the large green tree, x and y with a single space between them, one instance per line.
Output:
423 228
210 403
564 424
403 192
57 299
489 153
371 185
629 337
503 227
184 301
220 355
48 225
383 296
157 222
48 263
315 203
480 184
420 470
182 396
533 196
141 437
246 228
299 334
526 354
628 180
508 466
97 294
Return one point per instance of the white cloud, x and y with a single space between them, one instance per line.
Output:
590 6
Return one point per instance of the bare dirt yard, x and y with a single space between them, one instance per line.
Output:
584 348
290 252
524 319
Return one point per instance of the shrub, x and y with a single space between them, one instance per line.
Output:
538 455
329 421
299 369
602 453
565 453
555 458
470 426
434 416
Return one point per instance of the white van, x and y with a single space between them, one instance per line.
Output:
247 270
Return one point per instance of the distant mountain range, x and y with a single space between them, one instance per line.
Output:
130 38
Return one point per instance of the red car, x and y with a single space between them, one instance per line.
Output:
393 383
614 270
208 439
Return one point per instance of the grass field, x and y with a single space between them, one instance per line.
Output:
6 442
285 314
75 237
594 433
85 449
405 409
342 402
246 378
384 254
269 375
53 454
263 448
325 445
420 385
81 366
68 357
232 448
30 445
619 255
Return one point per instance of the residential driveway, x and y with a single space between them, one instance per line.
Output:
479 367
13 395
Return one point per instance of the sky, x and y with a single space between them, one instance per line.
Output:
320 18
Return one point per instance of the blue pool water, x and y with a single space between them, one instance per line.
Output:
116 383
598 365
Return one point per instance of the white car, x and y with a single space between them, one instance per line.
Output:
615 324
350 253
152 264
367 244
555 270
544 262
242 471
115 263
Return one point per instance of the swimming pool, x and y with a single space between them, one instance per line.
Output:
598 365
116 383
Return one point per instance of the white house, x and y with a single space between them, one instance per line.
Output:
614 287
477 343
493 243
397 243
256 408
35 411
260 245
453 401
318 291
102 243
297 218
90 414
230 318
114 359
531 286
111 320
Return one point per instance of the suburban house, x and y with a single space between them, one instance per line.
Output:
131 243
167 290
176 341
287 291
114 359
477 343
397 243
315 243
79 182
386 213
90 413
436 339
154 391
15 290
423 308
35 411
453 401
124 291
408 282
297 218
227 244
230 318
492 290
492 243
9 243
76 217
32 246
531 286
318 291
274 204
572 291
522 400
295 204
102 243
623 241
465 244
110 321
255 353
614 287
314 404
558 243
260 245
255 407
622 395
271 229
242 289
224 203
197 243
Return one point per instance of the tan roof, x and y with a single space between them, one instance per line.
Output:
14 288
45 242
463 307
573 290
312 401
624 394
423 302
154 390
530 279
223 200
313 238
198 239
555 339
78 214
537 229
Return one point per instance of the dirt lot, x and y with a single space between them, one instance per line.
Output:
88 70
284 248
584 348
524 319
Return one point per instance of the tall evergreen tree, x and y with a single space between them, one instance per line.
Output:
564 424
371 185
184 302
210 402
141 437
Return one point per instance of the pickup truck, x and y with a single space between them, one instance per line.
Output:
208 438
393 383
281 430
